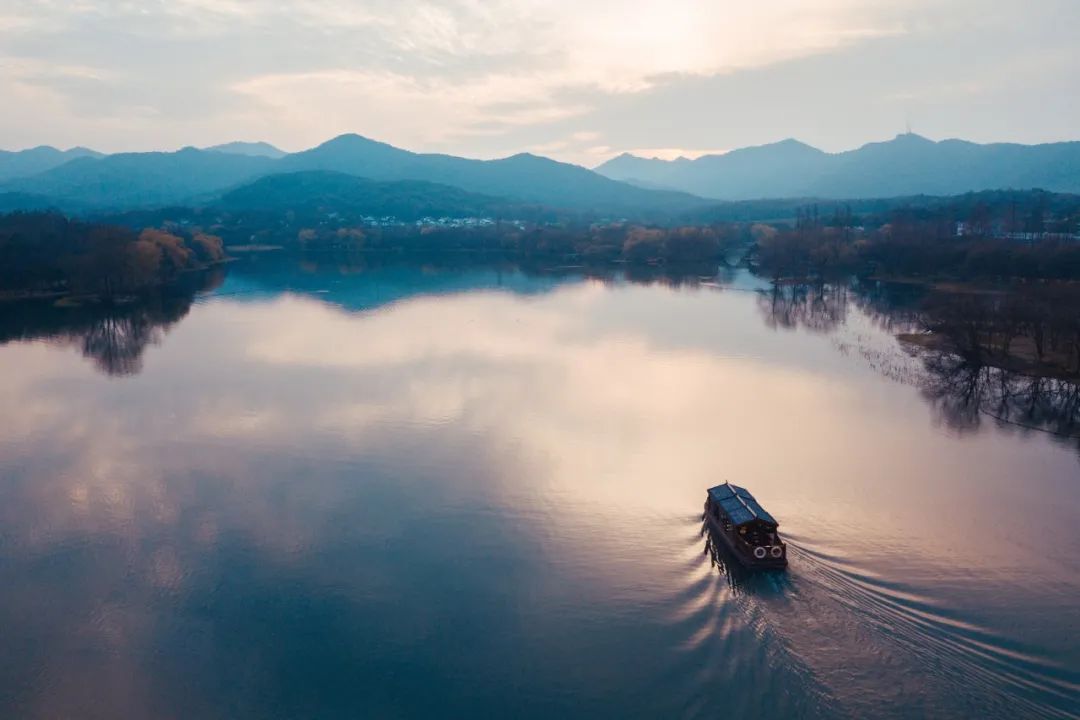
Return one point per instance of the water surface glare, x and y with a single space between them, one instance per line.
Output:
411 492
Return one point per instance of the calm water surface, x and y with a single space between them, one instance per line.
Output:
410 492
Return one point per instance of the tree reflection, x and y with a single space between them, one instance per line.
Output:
823 307
113 336
116 342
819 307
963 394
893 307
963 389
678 276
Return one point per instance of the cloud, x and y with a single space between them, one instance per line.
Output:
490 78
407 109
475 64
480 68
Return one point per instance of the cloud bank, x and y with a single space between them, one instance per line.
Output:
578 80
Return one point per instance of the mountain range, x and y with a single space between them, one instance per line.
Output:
130 180
907 165
523 177
192 176
81 180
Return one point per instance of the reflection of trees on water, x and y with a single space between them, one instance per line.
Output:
116 342
822 307
113 336
679 275
816 307
893 307
964 395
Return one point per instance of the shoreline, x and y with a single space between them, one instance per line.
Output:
70 298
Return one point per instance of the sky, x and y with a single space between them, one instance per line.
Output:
578 80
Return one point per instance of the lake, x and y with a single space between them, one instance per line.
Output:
435 491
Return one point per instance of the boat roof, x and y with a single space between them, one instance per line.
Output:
739 504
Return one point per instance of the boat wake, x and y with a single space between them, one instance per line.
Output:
827 638
725 653
984 673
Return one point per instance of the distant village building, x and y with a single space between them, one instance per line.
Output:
964 229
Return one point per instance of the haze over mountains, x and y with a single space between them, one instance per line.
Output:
39 159
80 180
256 149
907 165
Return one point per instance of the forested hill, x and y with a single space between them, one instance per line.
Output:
323 192
523 177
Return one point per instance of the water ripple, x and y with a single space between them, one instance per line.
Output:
967 655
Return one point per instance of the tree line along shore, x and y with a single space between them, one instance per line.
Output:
1003 275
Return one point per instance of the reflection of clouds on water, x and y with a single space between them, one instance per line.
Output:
295 374
283 491
540 373
405 494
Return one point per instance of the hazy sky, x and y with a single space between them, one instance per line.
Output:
579 80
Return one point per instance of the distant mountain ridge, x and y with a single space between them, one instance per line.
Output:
22 163
524 177
193 176
255 149
81 180
907 165
130 180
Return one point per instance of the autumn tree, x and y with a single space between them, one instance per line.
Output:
643 245
208 248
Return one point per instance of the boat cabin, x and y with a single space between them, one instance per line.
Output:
746 526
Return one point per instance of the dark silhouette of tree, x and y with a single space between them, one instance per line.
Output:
1032 327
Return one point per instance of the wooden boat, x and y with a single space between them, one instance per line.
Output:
745 527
